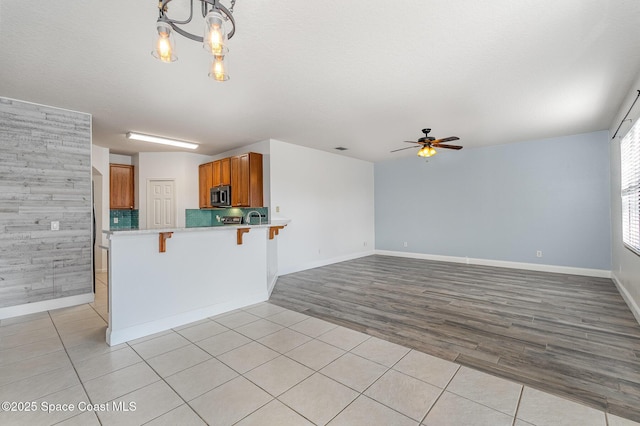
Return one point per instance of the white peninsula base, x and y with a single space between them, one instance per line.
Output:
202 272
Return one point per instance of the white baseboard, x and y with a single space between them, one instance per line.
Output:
115 337
323 262
633 306
45 305
600 273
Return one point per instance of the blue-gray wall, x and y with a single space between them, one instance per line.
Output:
502 202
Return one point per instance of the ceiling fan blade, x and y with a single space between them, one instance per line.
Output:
411 142
447 146
449 139
409 147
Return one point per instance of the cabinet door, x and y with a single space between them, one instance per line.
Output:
240 181
121 190
215 181
225 171
255 180
205 183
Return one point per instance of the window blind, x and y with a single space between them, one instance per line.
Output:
630 186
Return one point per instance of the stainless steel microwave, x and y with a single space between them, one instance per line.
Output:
221 196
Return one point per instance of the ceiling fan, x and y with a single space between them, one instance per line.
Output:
429 143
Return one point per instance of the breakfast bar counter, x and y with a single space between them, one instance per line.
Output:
164 278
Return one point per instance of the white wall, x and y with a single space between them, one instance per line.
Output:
625 263
179 166
100 162
329 199
120 159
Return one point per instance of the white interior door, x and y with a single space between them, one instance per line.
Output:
161 203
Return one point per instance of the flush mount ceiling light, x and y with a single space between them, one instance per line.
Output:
164 141
213 39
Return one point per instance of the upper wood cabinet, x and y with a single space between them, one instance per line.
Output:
205 179
215 176
246 180
242 172
212 174
221 172
225 171
121 188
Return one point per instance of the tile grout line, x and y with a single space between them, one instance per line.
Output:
239 374
277 398
72 366
167 383
273 398
440 395
515 414
282 354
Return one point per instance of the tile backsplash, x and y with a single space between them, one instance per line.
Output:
123 219
212 217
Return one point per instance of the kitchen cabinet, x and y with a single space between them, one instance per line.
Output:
212 174
205 179
221 172
246 180
225 171
121 187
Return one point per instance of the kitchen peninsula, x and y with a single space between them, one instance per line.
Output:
164 278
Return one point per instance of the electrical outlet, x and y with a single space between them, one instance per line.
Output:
55 225
364 244
115 220
539 253
405 244
277 209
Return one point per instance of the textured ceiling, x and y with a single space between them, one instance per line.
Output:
365 75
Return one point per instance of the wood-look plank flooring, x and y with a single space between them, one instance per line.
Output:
569 335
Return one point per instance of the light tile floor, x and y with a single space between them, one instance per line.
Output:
262 365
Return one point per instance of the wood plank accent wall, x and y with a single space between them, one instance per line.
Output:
45 176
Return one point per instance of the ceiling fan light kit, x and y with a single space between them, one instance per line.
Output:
427 151
213 40
428 144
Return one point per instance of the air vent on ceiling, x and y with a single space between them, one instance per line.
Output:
341 148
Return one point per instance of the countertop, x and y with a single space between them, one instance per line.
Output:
274 222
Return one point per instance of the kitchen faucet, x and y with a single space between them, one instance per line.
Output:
248 219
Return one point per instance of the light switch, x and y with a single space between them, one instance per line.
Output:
115 220
55 225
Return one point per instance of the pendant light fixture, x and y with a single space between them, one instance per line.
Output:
213 40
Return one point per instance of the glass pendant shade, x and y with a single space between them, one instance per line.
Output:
219 70
164 46
215 35
427 151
